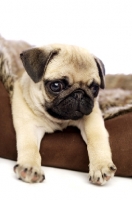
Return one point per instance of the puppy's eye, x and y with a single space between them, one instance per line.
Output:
57 86
94 89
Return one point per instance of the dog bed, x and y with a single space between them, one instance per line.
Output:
66 149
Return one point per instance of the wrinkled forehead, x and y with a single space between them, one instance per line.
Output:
76 64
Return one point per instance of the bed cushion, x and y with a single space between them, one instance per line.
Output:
66 149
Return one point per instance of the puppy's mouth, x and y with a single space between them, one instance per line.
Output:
73 107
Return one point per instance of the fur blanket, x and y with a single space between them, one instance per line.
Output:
10 62
114 102
116 99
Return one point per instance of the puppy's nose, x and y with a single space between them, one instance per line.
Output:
78 94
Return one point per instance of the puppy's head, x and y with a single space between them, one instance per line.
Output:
71 78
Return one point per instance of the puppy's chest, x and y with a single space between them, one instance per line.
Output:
60 126
51 126
56 126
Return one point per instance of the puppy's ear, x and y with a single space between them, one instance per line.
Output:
35 61
101 70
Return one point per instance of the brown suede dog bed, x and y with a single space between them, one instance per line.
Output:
67 149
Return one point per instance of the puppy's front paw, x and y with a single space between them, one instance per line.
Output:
29 173
102 173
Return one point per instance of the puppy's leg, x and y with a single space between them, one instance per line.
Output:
28 167
101 167
28 134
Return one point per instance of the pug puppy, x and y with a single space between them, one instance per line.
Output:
59 88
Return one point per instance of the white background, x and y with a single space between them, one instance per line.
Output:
104 27
60 184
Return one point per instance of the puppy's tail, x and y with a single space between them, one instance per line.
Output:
6 76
